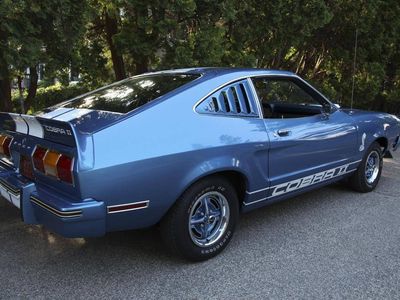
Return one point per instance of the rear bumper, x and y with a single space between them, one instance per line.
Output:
59 213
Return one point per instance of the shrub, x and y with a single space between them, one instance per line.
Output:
51 95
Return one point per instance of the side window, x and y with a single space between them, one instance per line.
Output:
233 100
282 98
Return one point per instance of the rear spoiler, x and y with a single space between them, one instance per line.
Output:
56 131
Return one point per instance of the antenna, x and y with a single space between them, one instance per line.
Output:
354 70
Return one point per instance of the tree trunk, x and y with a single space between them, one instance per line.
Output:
33 83
5 80
5 94
111 28
21 94
142 65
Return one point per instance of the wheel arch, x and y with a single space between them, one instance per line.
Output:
237 178
383 142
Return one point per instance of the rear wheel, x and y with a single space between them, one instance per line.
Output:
201 223
367 176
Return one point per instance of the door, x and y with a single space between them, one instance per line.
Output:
310 140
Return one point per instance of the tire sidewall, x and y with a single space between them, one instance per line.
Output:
189 199
371 186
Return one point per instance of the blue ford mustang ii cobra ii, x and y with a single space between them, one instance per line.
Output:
188 149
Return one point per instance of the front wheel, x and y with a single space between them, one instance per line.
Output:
201 223
367 175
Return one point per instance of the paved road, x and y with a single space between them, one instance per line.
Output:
331 243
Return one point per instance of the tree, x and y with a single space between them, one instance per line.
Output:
111 39
36 32
105 20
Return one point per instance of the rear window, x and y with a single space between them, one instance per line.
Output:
130 94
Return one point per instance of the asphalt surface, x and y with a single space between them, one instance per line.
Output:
330 243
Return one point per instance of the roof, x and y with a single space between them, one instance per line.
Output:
217 71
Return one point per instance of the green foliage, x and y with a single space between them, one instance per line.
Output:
40 32
313 38
51 95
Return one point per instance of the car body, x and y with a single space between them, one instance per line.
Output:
131 161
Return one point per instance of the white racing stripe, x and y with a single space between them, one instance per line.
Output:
27 124
35 128
30 125
55 113
20 125
72 114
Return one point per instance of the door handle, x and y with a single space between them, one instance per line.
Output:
283 132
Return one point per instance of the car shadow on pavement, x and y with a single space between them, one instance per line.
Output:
128 246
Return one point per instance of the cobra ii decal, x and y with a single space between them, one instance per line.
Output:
303 182
57 130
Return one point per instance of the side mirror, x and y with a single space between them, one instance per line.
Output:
326 109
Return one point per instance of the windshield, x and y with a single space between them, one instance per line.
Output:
130 94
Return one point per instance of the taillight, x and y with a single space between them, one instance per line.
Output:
54 164
64 168
38 156
50 163
5 142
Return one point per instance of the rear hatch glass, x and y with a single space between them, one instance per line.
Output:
129 94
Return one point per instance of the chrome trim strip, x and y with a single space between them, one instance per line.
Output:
145 202
5 164
62 214
13 190
257 191
256 201
256 99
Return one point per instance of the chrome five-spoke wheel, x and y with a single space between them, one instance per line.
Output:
372 167
368 173
202 221
208 220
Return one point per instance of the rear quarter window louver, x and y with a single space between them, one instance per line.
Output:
232 100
